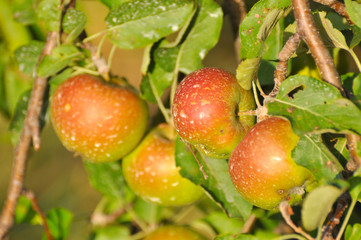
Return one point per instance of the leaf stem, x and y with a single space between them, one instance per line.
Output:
356 59
111 55
161 106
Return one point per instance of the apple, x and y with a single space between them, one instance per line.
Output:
261 166
206 111
151 172
174 233
100 121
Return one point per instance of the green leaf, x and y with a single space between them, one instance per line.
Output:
50 13
353 9
204 32
238 237
136 24
337 38
274 42
108 179
317 205
24 11
149 212
218 184
28 55
355 188
113 3
311 153
73 23
60 57
161 72
266 72
258 24
223 224
356 36
111 233
56 80
24 212
59 221
353 232
314 106
17 121
247 72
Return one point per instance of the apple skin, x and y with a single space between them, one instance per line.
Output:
174 233
205 111
100 121
261 166
151 172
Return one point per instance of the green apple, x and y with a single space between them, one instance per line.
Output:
174 233
206 111
262 168
151 172
100 121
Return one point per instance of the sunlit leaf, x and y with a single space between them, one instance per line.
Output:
311 153
50 13
73 23
317 205
315 106
218 184
353 9
28 55
353 232
203 35
136 24
59 221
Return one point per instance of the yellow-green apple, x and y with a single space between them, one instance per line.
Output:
100 121
206 111
151 172
262 168
174 233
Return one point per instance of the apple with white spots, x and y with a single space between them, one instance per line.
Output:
174 233
151 172
262 168
100 121
206 111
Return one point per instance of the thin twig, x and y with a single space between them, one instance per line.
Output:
30 131
99 61
284 56
355 160
101 219
309 33
286 212
31 196
337 6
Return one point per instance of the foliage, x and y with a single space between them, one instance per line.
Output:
176 37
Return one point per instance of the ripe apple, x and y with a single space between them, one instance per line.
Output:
261 166
174 233
206 111
151 172
100 121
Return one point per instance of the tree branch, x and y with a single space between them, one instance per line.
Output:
29 132
337 7
309 33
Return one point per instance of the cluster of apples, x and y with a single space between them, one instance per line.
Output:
106 122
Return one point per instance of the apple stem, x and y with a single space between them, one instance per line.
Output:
30 131
286 212
31 196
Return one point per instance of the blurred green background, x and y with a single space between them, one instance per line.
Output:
57 177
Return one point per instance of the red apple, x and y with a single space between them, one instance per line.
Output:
261 166
174 233
206 111
151 172
100 121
